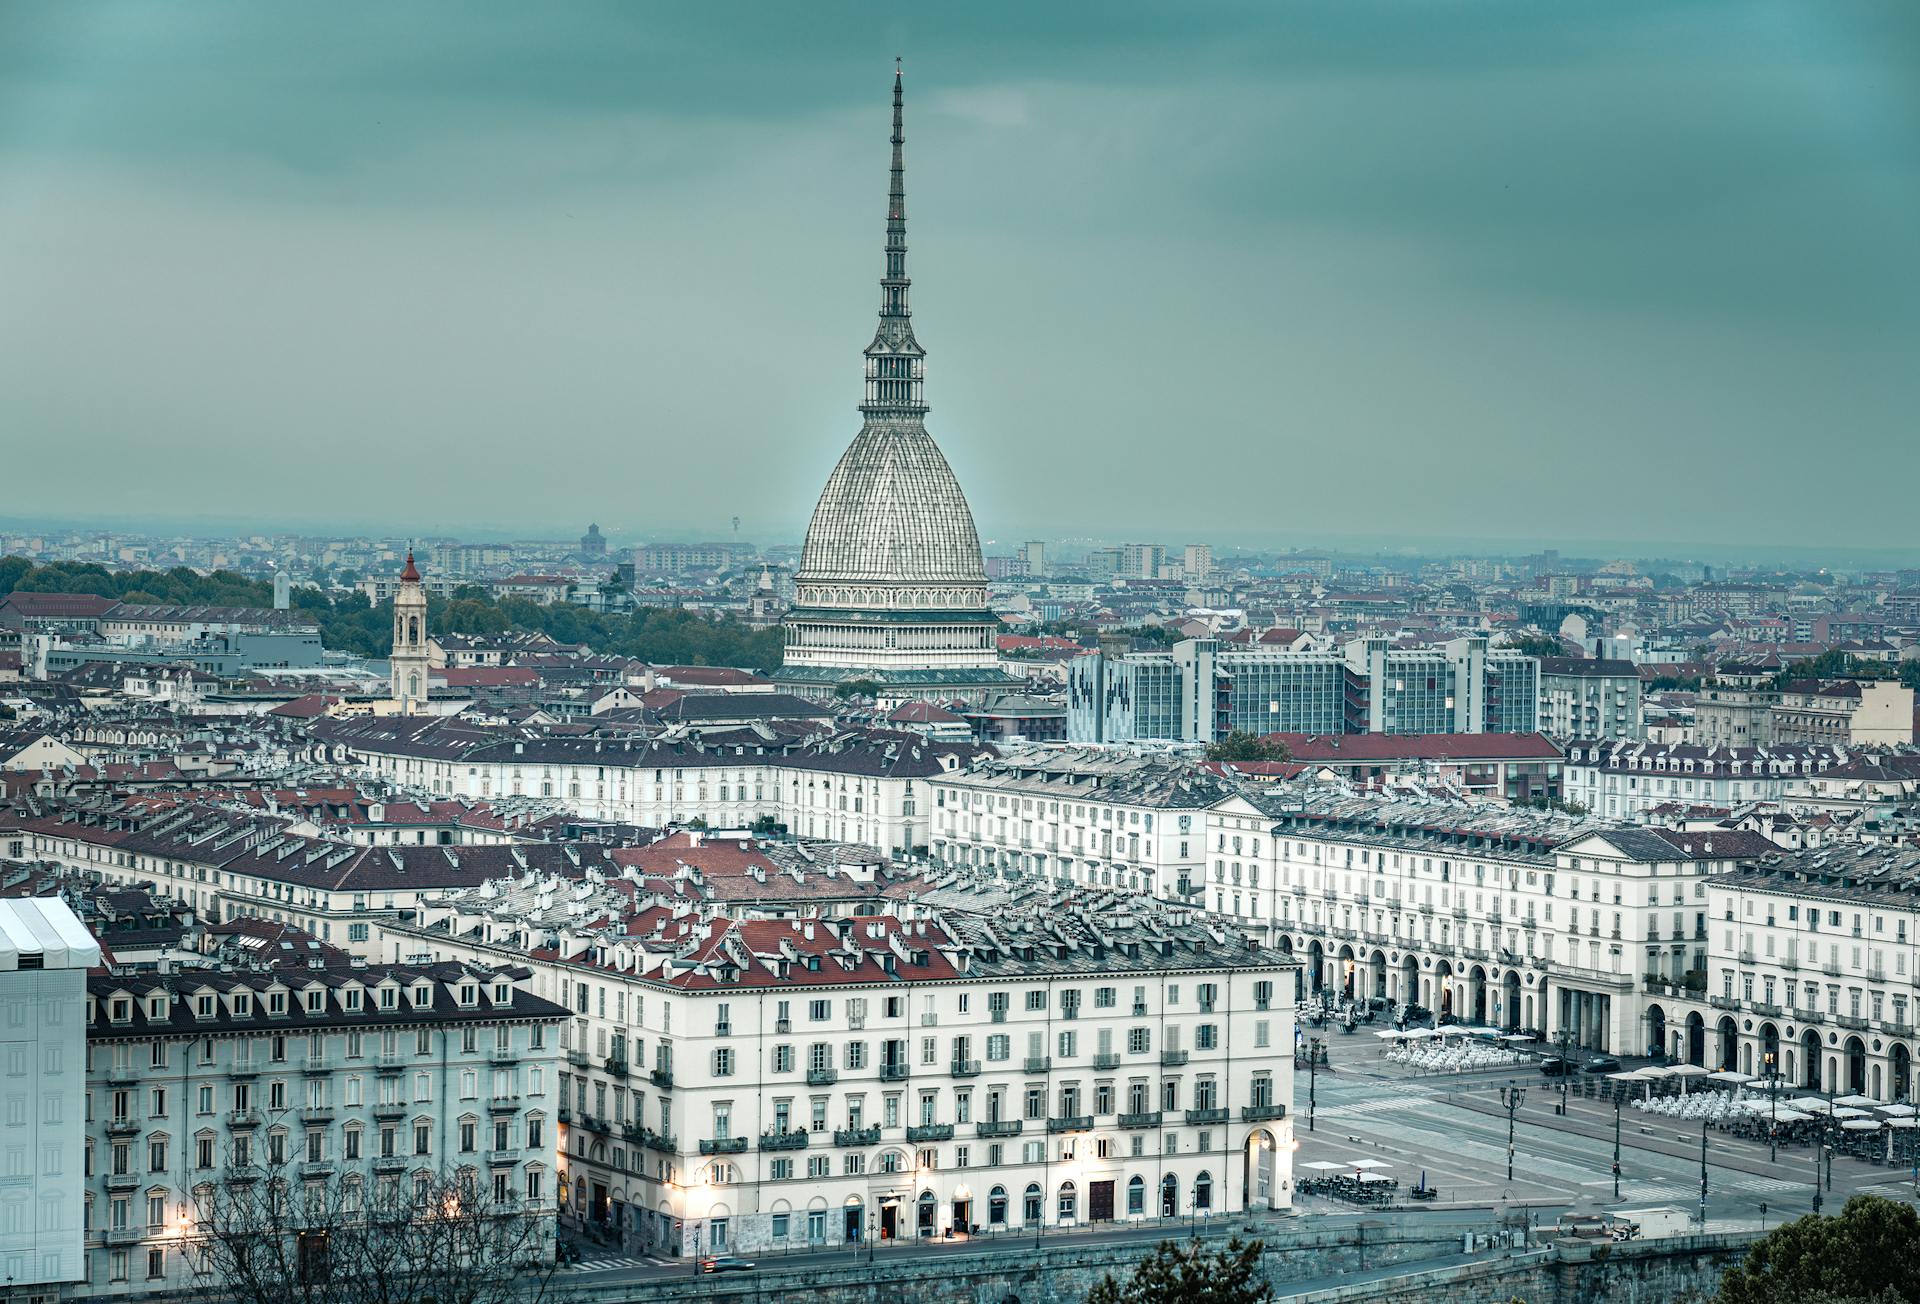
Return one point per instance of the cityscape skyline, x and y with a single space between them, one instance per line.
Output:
420 270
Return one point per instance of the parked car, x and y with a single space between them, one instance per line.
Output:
1553 1066
725 1263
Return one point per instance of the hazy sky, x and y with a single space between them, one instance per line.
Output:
1268 271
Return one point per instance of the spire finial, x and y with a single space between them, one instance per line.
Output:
894 358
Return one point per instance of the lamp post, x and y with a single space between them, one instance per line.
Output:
1510 1097
1773 1097
1566 1066
1616 1144
1703 1173
1313 1074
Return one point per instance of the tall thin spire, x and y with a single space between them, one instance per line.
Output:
895 360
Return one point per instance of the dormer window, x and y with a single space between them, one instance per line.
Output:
316 1001
352 998
469 993
276 1003
422 996
389 998
120 1010
203 1006
502 994
242 1004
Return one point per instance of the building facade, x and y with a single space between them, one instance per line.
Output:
1586 697
1622 780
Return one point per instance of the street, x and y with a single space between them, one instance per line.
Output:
1453 1128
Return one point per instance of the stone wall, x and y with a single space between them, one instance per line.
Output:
1642 1272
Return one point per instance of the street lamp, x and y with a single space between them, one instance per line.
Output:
1703 1174
1616 1143
1773 1096
1313 1073
1566 1065
1510 1097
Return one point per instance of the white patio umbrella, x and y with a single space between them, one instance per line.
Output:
1903 1122
1812 1105
1371 1163
1687 1071
1862 1125
1790 1116
1730 1075
1322 1166
1842 1112
1896 1111
1857 1101
1375 1177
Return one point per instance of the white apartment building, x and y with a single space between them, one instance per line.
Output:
852 786
970 1059
1813 972
1586 697
1512 918
1625 780
359 1076
1093 817
45 953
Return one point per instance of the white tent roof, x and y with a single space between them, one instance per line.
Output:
46 928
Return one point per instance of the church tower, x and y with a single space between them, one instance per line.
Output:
409 659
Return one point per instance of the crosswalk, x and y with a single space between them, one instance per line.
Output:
1380 1105
612 1262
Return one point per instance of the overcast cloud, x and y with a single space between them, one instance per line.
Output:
1269 272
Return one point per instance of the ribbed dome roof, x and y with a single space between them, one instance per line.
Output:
892 512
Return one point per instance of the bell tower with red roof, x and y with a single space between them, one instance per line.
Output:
409 658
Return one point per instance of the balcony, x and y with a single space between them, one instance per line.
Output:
242 1173
723 1145
317 1065
1151 1118
563 1112
660 1141
315 1169
125 1235
594 1123
1854 1021
1767 1008
931 1132
1139 1011
1261 1113
125 1125
389 1065
661 1077
1723 1002
1071 1123
822 1077
578 1058
1000 1127
1172 1059
1197 1117
784 1141
894 1072
122 1181
997 1016
1106 1060
1038 1063
503 1055
966 1068
243 1069
616 1068
243 1118
503 1104
317 1115
783 1025
389 1164
502 1158
392 1109
857 1136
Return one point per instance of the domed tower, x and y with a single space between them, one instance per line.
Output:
408 660
891 586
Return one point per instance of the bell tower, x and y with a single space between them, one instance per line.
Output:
409 657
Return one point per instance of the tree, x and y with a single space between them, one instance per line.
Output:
1536 645
766 826
847 688
1239 745
259 1238
1191 1274
1869 1251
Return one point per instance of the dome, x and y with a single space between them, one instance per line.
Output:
892 513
